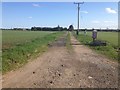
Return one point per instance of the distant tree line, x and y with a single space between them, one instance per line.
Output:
71 28
105 30
58 28
17 29
48 29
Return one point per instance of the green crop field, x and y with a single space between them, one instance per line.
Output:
13 38
20 46
111 50
111 37
0 39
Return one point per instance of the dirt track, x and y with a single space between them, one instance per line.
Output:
57 68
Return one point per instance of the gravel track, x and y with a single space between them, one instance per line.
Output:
58 68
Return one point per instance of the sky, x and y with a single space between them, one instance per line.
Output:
52 14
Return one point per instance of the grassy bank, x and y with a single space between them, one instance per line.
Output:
110 50
18 55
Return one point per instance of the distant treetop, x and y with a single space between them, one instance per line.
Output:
71 27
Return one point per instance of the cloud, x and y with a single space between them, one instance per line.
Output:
30 17
108 22
110 10
36 5
84 12
95 21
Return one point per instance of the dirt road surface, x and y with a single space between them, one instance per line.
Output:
58 68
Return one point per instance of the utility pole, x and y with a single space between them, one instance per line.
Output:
77 32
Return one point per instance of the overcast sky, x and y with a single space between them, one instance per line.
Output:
52 14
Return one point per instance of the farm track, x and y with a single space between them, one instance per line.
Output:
58 68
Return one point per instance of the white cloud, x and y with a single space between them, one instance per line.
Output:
84 12
36 5
110 10
95 21
30 17
108 22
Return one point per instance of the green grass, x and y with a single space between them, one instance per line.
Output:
0 39
68 42
111 37
110 50
20 54
13 38
0 51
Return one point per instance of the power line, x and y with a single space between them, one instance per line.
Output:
78 14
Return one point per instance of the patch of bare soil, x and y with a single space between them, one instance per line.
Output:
57 68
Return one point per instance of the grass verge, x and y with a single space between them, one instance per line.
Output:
108 50
16 57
